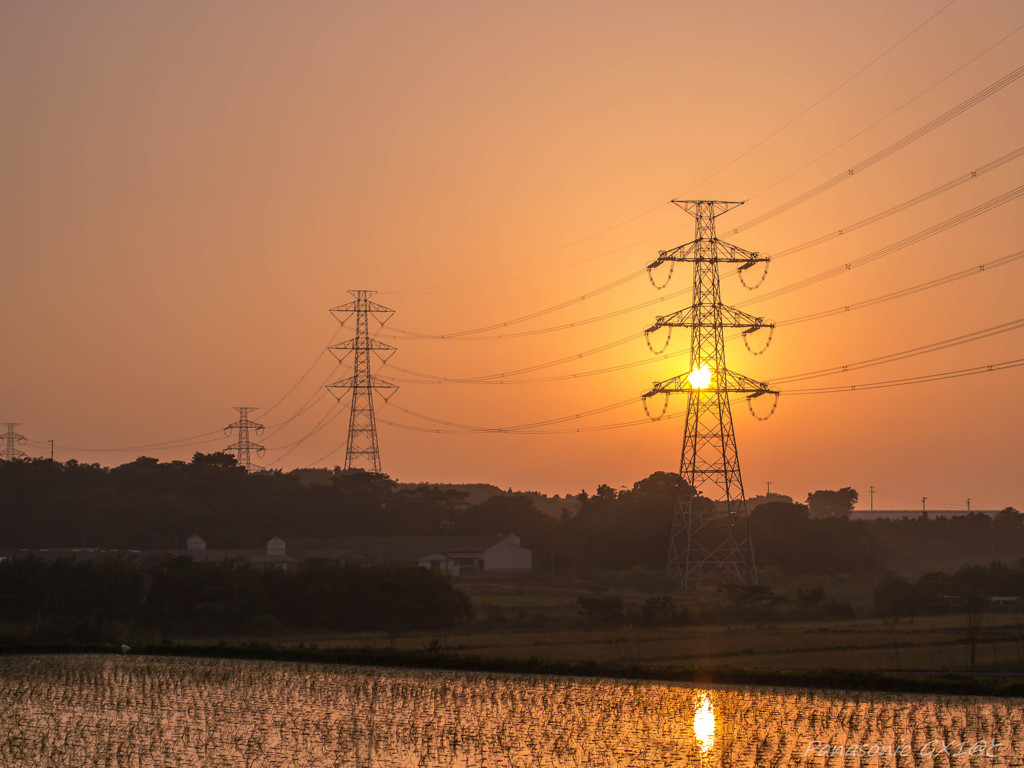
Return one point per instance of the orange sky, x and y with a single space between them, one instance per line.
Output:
189 187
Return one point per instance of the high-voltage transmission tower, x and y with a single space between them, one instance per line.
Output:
11 442
243 448
362 450
710 525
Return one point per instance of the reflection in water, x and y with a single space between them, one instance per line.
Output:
704 722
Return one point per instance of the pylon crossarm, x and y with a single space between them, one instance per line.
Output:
358 343
731 318
349 383
345 309
341 353
719 207
734 384
379 384
744 385
679 253
372 308
681 319
667 387
733 254
735 318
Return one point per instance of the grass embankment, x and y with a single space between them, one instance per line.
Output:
434 656
928 655
525 630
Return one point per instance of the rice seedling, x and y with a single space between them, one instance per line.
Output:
154 711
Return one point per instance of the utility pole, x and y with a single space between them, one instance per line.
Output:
243 448
769 491
51 449
710 525
872 492
968 506
362 450
11 442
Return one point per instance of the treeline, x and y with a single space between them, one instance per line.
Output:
147 504
971 588
103 600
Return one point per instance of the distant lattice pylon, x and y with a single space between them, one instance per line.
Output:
362 450
243 447
11 442
710 525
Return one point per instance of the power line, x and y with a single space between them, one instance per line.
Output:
956 341
318 395
905 205
863 165
184 442
321 355
434 288
899 294
518 427
875 255
928 378
845 82
532 258
893 295
880 253
470 335
524 318
943 376
333 412
885 117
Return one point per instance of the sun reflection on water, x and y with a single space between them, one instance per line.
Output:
704 722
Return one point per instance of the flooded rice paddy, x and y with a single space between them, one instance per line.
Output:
152 712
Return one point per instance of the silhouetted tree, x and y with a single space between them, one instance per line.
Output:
832 503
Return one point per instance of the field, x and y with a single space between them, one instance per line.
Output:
525 624
139 712
930 644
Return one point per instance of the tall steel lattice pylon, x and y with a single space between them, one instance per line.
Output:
362 450
243 448
11 442
710 526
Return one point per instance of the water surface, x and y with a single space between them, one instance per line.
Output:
161 711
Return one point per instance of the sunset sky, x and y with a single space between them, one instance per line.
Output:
188 188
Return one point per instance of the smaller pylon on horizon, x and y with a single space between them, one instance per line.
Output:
11 442
243 448
361 447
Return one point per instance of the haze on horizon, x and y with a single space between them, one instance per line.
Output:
189 188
